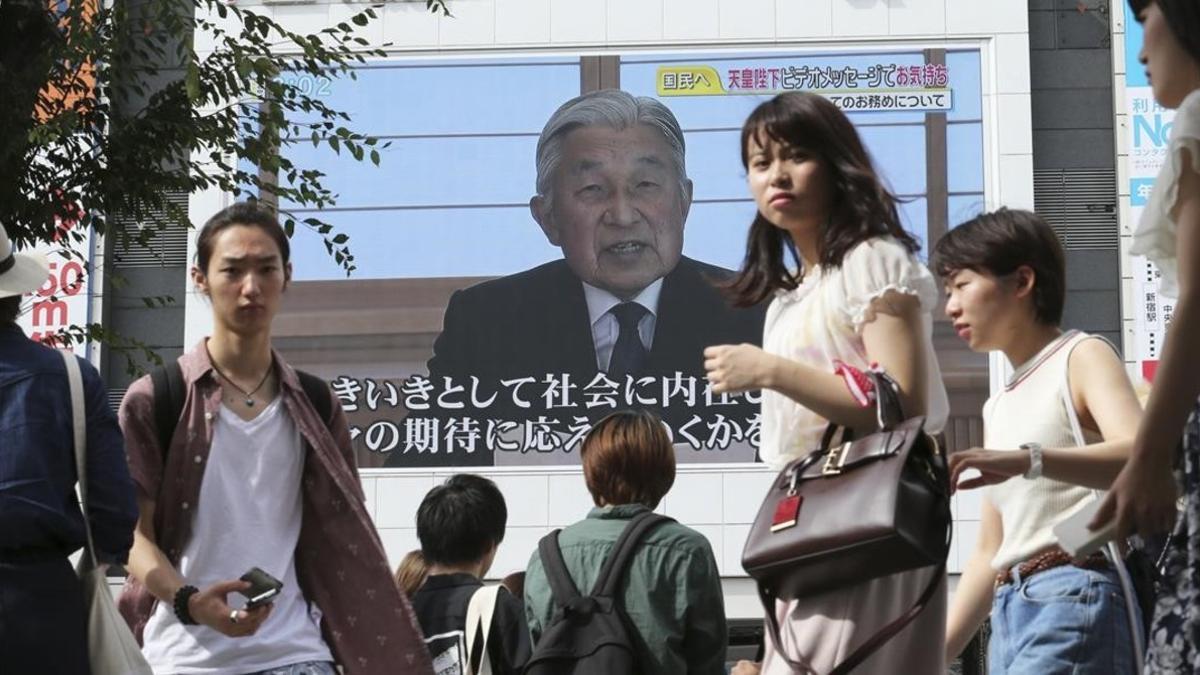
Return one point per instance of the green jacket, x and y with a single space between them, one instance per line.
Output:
672 590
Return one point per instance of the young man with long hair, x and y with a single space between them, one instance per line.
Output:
253 476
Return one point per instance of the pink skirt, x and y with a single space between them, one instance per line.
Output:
823 630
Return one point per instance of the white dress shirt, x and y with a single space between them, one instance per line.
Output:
605 328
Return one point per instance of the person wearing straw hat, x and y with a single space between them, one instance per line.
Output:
42 622
20 273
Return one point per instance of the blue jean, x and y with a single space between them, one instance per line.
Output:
1062 620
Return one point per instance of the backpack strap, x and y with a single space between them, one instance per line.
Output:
169 394
623 551
561 585
318 393
480 614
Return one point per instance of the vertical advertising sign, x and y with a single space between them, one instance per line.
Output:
1149 131
64 299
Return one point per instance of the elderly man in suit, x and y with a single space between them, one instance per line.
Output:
613 194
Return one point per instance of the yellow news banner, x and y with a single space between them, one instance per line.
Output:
699 80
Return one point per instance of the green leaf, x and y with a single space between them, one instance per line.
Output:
121 158
192 81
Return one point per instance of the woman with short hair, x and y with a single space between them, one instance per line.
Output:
1058 431
672 587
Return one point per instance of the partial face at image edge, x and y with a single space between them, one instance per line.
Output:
1172 71
617 208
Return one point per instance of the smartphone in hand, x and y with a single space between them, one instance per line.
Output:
1076 539
263 588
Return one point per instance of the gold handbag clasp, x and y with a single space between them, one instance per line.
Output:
835 459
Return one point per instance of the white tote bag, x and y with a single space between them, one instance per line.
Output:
111 647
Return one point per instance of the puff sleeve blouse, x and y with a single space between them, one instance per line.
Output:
822 320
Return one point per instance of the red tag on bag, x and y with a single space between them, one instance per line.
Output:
786 513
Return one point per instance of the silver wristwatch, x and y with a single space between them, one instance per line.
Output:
1035 460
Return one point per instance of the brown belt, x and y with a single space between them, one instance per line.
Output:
1055 557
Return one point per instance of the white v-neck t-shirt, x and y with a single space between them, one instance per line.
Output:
248 516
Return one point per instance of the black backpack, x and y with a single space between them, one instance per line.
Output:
590 634
169 395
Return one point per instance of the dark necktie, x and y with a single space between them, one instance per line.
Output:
628 355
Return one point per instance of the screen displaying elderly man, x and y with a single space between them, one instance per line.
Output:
613 194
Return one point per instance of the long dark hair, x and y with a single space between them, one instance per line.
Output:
1183 16
863 208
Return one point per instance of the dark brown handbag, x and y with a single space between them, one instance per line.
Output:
848 513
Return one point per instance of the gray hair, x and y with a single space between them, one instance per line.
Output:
613 108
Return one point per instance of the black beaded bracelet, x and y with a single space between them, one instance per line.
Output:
182 596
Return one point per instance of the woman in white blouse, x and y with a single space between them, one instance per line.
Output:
1143 497
857 294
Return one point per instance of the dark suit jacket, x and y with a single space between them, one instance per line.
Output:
536 322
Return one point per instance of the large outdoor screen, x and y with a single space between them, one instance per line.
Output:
479 327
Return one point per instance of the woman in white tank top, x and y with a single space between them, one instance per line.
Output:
1005 281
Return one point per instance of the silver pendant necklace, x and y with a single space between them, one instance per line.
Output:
249 400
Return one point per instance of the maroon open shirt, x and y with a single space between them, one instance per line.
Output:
340 562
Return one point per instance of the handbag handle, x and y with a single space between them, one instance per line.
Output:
1117 560
888 411
79 428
